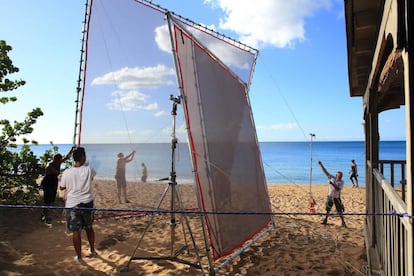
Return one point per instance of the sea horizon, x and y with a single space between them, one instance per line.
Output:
283 162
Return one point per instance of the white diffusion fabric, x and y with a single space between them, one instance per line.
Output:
129 75
224 147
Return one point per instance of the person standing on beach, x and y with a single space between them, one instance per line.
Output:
354 174
77 181
120 175
335 186
144 173
50 184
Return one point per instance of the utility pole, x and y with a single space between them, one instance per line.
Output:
312 135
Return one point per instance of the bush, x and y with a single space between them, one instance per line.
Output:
20 168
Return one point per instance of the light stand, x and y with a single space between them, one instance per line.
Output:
312 135
175 195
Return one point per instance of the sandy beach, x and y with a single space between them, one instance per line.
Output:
298 245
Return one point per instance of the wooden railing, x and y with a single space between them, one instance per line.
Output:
388 228
394 172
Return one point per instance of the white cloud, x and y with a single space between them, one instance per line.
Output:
130 100
129 80
277 23
231 56
151 106
134 78
161 113
162 38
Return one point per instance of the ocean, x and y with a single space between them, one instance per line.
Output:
283 162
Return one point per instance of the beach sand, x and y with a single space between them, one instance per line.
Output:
298 245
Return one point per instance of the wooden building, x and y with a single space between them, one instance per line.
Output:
380 43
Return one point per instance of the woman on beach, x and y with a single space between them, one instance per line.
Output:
120 174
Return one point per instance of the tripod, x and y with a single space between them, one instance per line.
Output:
175 195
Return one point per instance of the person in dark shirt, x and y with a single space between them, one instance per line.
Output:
50 183
354 174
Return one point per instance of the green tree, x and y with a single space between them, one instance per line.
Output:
48 155
19 166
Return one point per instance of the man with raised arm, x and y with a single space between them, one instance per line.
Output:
335 186
120 175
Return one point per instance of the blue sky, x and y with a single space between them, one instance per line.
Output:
300 82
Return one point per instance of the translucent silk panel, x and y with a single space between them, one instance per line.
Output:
223 146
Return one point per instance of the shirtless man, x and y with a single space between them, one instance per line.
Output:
120 174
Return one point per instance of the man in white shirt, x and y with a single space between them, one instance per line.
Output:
335 186
77 181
